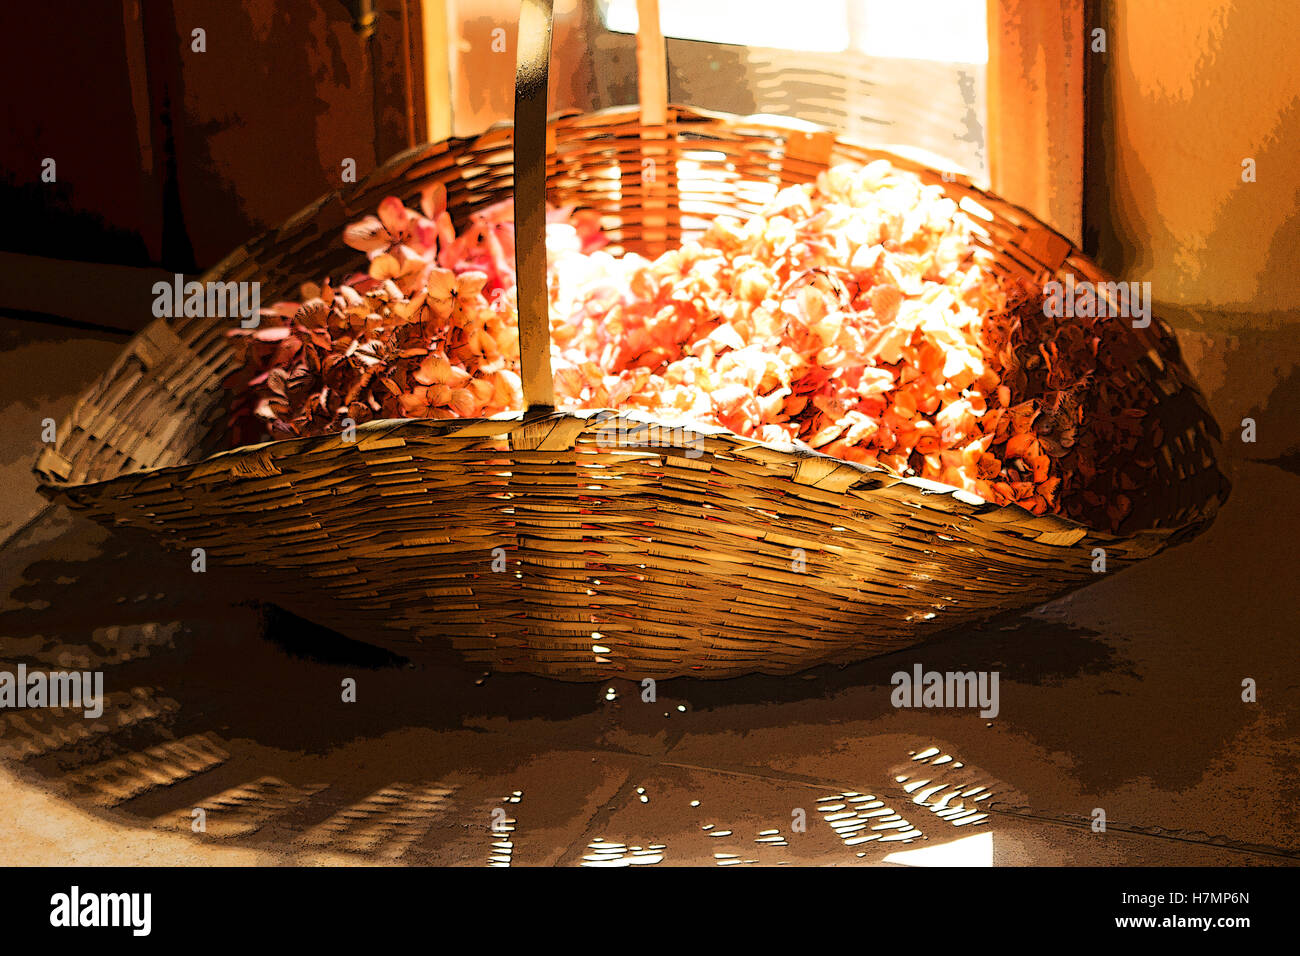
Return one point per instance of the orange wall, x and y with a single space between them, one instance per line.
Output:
1193 88
1186 90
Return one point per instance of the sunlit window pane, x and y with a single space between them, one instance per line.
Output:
951 31
819 25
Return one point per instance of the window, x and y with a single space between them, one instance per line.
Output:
919 74
951 31
822 25
884 72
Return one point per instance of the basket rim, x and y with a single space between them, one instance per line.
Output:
258 461
954 499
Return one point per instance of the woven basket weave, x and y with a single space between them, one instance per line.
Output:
632 560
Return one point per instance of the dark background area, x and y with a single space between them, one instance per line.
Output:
171 158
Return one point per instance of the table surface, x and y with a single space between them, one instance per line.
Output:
1124 697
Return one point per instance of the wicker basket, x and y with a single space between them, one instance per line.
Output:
631 561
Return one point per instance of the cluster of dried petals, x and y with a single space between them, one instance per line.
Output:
852 315
1077 419
847 316
427 331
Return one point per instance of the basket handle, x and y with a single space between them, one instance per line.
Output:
651 64
532 70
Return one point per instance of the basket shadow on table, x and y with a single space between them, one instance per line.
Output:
210 692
